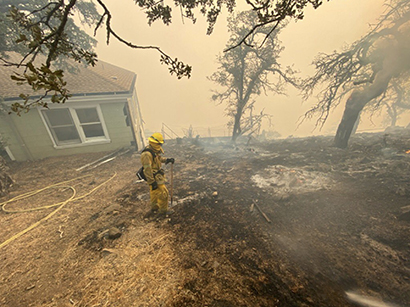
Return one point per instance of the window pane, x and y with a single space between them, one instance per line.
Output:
88 115
62 126
59 117
66 135
94 130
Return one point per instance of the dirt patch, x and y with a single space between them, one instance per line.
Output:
338 231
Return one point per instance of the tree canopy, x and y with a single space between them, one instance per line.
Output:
44 33
247 71
46 27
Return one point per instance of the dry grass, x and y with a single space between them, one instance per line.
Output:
141 270
47 266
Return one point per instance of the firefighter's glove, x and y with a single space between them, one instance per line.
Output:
170 160
154 185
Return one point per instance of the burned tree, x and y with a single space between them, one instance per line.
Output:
245 72
364 72
46 27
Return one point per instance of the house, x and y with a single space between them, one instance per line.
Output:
103 114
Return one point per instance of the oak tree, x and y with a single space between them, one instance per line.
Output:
249 70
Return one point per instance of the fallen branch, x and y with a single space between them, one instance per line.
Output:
263 213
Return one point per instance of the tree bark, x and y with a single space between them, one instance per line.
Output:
237 130
237 126
355 104
345 128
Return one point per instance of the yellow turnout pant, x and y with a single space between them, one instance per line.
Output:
159 198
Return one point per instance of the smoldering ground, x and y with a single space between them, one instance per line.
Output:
218 249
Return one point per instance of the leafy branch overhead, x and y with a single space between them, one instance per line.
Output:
271 13
44 33
154 12
41 79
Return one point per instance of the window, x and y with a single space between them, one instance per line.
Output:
62 126
90 123
71 126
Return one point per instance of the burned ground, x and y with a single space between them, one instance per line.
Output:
337 222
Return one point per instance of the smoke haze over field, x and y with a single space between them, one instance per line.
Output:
181 103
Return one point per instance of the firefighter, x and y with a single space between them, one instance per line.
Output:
152 160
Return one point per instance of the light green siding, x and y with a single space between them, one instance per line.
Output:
115 121
11 138
29 138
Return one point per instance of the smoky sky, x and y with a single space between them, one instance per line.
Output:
181 103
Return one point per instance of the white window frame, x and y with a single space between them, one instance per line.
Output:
84 141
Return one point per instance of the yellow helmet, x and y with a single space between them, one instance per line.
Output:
156 138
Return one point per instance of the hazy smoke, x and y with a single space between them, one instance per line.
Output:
367 301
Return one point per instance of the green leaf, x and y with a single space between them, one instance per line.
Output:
16 78
23 96
31 67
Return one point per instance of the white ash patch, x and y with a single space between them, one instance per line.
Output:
283 180
189 198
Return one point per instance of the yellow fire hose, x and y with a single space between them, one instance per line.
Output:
60 204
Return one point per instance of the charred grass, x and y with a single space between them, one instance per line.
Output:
217 249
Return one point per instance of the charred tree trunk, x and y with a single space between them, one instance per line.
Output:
355 104
237 126
344 131
237 130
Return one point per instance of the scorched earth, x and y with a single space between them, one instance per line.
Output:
292 222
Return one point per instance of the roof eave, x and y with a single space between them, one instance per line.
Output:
130 92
